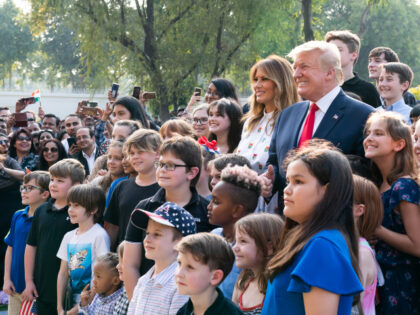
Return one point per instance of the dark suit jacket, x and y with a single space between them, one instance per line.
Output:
79 156
342 124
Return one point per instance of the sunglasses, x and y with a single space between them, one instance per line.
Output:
53 150
22 138
3 142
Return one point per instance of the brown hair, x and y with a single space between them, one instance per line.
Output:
405 163
42 179
280 72
405 74
186 149
265 230
366 193
209 249
177 127
68 168
146 140
351 40
90 197
389 54
106 181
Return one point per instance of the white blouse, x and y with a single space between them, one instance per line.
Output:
254 145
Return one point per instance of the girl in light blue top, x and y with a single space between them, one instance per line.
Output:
314 272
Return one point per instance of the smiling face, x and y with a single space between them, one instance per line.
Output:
219 123
50 152
302 193
221 206
374 66
128 168
246 252
142 161
83 139
159 243
211 94
200 123
35 196
390 88
49 123
59 187
120 113
120 133
114 161
4 145
72 124
23 143
417 142
264 88
177 178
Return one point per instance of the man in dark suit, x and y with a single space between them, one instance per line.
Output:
327 113
88 153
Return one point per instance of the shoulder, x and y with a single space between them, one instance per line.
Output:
327 237
18 214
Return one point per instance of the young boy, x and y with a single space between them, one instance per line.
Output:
234 197
80 247
155 292
394 80
34 192
143 150
349 46
204 260
177 173
51 221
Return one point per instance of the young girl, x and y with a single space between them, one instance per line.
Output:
388 144
225 124
209 153
121 306
368 214
107 286
80 247
314 270
257 238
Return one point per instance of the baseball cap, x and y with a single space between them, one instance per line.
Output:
169 214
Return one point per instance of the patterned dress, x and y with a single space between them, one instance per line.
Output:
401 291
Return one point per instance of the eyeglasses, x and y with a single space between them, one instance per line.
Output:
22 138
28 188
4 142
31 119
201 121
53 150
168 166
45 137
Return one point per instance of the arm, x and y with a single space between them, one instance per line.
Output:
320 302
30 292
112 231
131 265
410 243
16 174
8 286
62 279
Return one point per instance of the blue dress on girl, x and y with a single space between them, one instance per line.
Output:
324 262
401 291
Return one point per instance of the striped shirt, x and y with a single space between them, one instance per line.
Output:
101 305
157 294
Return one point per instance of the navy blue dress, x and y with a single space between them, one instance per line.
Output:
401 291
325 263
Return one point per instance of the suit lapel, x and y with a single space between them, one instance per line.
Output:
300 115
333 115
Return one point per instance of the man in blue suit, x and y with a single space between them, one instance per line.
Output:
327 113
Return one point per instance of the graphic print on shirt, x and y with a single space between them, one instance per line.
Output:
80 265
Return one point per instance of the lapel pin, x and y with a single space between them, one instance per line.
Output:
335 116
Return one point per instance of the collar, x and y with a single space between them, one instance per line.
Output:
324 102
106 299
398 104
159 197
50 206
164 276
217 303
93 153
25 213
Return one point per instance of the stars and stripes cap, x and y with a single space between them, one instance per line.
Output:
169 214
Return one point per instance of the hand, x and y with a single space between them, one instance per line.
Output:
107 112
30 293
194 100
1 168
267 182
110 98
41 112
9 287
20 106
74 310
87 295
102 172
10 122
79 110
73 149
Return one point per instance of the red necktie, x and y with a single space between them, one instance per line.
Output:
308 127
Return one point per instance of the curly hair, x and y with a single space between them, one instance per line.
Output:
243 177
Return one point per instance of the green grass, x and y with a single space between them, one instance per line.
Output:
3 307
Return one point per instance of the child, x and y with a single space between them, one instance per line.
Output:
80 247
143 150
204 260
155 292
217 165
121 306
106 284
34 192
368 214
209 153
235 196
416 145
414 116
51 221
314 268
389 145
257 238
394 81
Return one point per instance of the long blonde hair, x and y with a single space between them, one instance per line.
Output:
280 72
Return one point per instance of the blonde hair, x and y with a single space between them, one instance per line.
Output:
329 58
145 140
177 127
280 72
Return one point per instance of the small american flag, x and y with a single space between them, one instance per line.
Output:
28 308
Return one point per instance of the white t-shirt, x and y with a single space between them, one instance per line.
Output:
80 251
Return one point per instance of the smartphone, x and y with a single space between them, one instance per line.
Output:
114 89
71 141
136 92
92 111
149 95
197 91
92 104
21 120
28 100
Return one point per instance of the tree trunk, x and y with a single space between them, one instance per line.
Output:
307 20
10 77
363 27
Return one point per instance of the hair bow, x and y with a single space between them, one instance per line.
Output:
211 146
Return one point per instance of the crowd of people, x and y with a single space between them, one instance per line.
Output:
304 200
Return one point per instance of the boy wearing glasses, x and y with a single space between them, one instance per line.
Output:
34 192
177 173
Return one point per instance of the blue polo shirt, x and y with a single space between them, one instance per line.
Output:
16 238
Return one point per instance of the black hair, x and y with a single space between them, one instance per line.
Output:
415 111
12 149
57 120
136 110
225 88
42 164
